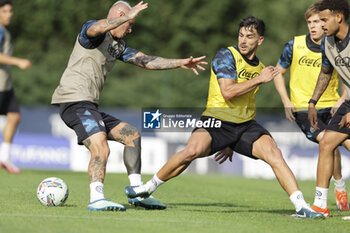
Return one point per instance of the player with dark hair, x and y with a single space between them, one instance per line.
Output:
235 79
8 102
98 46
335 49
303 56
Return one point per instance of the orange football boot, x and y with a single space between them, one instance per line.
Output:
324 211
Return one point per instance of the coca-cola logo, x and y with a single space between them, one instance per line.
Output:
244 74
306 61
342 61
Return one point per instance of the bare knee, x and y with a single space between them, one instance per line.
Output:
274 157
190 153
126 135
13 118
324 146
130 140
98 146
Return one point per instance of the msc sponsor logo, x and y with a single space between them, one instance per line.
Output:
307 61
244 74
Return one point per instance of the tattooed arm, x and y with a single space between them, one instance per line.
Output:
159 63
321 85
104 25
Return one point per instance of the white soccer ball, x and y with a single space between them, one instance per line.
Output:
52 192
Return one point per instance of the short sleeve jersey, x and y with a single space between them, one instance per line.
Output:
91 61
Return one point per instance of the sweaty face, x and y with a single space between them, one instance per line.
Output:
315 27
248 41
5 14
329 22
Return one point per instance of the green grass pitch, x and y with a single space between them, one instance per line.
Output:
198 204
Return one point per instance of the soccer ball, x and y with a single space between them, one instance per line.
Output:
52 192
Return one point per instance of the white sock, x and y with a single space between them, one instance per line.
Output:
297 199
96 191
153 184
135 179
321 196
5 151
340 185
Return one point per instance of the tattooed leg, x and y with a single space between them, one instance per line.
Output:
132 157
98 147
130 137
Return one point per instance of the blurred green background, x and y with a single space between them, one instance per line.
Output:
44 31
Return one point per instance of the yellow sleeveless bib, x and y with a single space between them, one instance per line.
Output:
239 109
304 71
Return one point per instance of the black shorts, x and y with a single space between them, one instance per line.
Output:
323 116
334 122
239 137
8 102
85 119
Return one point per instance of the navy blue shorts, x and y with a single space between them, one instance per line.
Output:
85 119
334 123
323 116
8 102
239 137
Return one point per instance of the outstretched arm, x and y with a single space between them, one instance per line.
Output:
321 85
15 61
159 63
104 25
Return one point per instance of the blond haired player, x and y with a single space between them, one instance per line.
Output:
304 58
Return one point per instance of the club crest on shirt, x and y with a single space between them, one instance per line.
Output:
116 48
342 61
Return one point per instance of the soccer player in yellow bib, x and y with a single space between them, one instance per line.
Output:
303 56
235 79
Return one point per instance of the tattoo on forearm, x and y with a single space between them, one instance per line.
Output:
155 63
106 25
321 85
117 21
97 169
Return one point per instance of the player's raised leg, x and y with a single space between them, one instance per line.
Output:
198 146
266 149
130 137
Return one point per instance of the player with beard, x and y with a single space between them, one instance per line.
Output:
303 56
235 79
335 49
